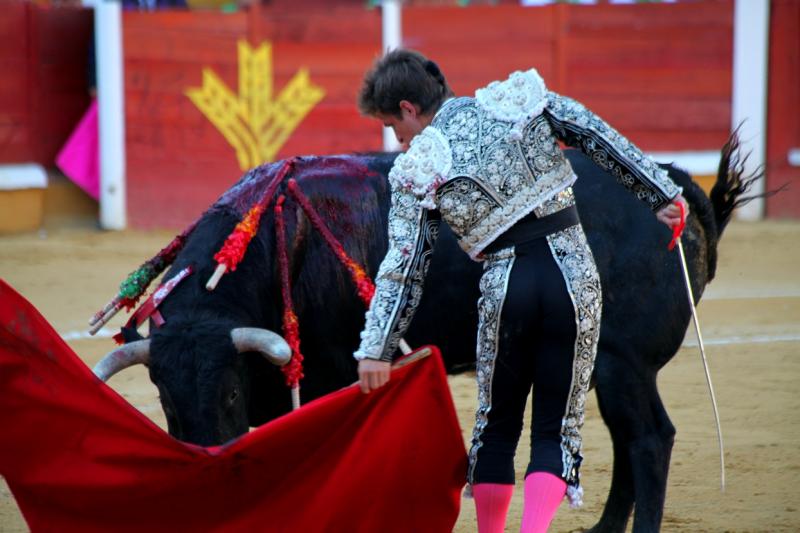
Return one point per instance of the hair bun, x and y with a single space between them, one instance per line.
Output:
433 69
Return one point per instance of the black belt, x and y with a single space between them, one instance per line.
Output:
531 228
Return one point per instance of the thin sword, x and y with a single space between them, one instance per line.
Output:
696 321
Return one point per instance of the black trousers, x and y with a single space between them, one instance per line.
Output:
539 324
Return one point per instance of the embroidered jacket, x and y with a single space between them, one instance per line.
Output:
482 165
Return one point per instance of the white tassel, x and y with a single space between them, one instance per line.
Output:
575 496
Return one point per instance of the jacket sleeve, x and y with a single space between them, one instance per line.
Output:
398 286
578 127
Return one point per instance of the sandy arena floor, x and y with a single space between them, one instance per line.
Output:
751 323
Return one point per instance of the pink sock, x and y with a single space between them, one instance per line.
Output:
491 506
543 495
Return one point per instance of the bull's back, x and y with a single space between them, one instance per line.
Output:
645 311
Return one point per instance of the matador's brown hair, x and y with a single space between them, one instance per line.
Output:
403 75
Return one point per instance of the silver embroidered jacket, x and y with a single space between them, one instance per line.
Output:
482 165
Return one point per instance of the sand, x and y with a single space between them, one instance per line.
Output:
751 323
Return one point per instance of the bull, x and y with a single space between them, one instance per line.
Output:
212 360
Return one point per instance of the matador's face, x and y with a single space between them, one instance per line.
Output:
407 124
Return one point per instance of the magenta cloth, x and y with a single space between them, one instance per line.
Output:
79 458
79 159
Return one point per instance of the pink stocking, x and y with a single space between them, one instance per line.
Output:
491 506
543 494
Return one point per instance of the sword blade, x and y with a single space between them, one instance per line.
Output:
696 321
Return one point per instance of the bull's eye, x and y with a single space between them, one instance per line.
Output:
233 397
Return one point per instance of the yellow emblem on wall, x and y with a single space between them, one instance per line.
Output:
254 123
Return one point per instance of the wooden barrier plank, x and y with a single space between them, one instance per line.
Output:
190 47
342 59
646 51
211 22
15 139
511 24
174 79
689 82
315 135
191 36
59 81
13 28
483 43
15 98
783 129
13 89
330 24
664 83
664 114
487 61
63 34
679 20
144 109
46 47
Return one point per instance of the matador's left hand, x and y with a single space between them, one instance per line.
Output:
671 214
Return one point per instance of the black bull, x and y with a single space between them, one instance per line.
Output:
210 394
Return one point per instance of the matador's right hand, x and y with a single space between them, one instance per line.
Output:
671 213
373 374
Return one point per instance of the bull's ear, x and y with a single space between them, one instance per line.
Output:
130 334
130 354
269 344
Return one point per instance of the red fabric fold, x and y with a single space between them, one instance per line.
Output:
78 457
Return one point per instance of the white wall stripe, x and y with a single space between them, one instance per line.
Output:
749 94
744 339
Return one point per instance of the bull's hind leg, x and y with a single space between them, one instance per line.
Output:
650 456
614 402
642 435
619 503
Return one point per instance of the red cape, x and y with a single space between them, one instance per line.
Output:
79 457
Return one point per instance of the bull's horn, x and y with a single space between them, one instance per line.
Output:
133 353
269 344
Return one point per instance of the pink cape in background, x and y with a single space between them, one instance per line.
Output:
79 158
79 457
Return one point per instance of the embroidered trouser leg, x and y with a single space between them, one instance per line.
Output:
539 322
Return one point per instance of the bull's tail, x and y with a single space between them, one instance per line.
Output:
727 194
732 183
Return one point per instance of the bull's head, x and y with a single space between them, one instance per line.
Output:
201 375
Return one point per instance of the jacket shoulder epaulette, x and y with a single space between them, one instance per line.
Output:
517 99
423 167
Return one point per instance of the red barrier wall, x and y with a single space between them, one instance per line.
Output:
659 73
783 112
178 162
44 88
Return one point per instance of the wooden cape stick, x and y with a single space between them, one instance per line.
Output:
422 353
